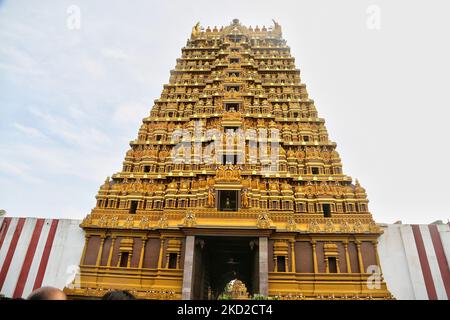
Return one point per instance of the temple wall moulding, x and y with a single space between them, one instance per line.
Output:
281 221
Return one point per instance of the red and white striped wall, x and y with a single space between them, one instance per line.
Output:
34 252
37 252
415 260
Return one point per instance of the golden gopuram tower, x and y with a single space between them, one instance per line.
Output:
232 179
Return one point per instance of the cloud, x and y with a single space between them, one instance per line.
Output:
71 132
29 131
18 61
94 68
17 170
130 113
115 53
45 162
77 113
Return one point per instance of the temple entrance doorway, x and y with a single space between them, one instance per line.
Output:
219 261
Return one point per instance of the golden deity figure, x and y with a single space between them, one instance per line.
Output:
227 203
245 199
211 198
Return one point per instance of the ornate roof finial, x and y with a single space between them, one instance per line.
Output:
276 28
235 21
106 185
196 30
358 188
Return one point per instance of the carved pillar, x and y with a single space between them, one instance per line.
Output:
161 251
286 263
100 251
360 260
377 257
188 268
316 268
83 255
338 268
119 260
129 259
347 258
113 241
141 258
293 255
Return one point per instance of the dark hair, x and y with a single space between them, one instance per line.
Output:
47 293
39 296
118 295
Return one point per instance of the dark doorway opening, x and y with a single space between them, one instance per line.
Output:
124 259
228 200
133 206
281 264
229 159
332 265
326 210
218 260
172 260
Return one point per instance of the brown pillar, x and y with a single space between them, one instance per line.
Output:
141 258
377 257
316 269
111 249
293 256
130 254
360 260
100 251
119 260
347 258
338 268
83 255
161 251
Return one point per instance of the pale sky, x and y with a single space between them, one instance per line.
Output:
72 99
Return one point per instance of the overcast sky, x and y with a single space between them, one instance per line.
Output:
72 99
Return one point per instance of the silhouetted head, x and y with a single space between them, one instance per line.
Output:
47 293
118 295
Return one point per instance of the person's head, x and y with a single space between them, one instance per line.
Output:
47 293
118 295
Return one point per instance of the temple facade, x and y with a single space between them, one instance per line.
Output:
232 179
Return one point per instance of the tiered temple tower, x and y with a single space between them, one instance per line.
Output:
232 176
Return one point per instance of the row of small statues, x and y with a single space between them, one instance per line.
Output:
247 151
182 64
202 124
275 186
222 74
197 29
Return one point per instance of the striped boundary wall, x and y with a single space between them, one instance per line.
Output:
38 252
35 252
415 260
